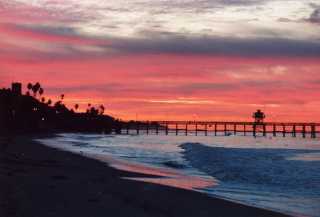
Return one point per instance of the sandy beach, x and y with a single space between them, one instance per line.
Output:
38 181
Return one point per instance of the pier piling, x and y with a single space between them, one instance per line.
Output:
177 130
196 129
128 126
206 130
292 129
313 131
225 129
215 129
167 129
138 128
186 131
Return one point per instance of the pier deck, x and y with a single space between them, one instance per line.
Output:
209 128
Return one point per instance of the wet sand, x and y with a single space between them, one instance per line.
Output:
38 181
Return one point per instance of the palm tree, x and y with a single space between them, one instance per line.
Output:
43 99
93 111
62 97
76 106
102 108
29 86
49 102
35 88
89 106
41 91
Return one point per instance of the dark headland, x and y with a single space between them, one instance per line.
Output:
32 112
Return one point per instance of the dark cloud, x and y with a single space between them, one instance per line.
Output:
315 16
180 44
196 6
285 20
188 88
170 43
202 3
241 2
48 30
193 88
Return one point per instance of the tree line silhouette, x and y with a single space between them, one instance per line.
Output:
32 112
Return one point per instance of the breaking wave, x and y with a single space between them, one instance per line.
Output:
268 173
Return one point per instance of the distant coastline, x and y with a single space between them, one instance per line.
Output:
32 113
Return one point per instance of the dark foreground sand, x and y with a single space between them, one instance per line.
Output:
37 181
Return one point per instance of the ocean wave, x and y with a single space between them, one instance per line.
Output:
267 178
79 144
174 164
263 167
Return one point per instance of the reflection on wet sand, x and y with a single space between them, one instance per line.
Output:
167 176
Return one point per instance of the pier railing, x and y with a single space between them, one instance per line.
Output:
216 128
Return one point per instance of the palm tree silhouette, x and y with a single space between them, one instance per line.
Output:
102 108
41 91
89 106
35 88
76 106
29 87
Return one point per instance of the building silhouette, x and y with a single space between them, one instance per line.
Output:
16 88
259 117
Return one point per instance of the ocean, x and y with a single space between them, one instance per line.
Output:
275 173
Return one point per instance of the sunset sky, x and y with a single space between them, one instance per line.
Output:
168 59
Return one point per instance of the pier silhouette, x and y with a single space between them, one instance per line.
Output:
222 128
258 127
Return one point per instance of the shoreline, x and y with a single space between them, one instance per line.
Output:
43 181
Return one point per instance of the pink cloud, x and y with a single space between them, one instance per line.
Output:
154 86
129 84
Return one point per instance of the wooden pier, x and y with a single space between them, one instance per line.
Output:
211 128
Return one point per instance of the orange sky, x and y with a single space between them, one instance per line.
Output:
161 77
